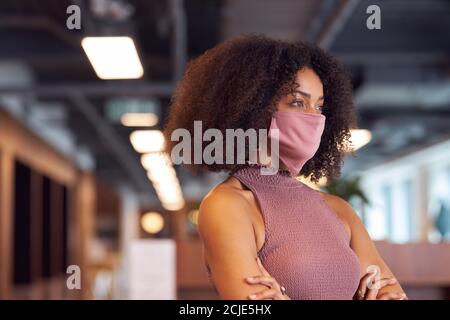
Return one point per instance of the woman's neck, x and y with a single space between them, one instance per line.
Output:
265 159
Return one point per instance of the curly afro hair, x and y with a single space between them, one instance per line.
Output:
238 83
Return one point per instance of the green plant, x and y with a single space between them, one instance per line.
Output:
347 189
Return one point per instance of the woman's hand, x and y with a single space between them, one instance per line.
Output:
274 291
369 288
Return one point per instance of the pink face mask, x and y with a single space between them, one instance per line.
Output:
299 137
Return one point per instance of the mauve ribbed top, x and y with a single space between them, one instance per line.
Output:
306 248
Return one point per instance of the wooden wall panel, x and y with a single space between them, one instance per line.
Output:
82 227
6 222
17 143
28 148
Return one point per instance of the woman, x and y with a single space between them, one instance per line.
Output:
271 236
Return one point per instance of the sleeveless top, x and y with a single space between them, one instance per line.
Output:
306 247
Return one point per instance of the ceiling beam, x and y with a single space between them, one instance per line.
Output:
319 21
387 59
93 89
179 38
40 23
113 142
334 28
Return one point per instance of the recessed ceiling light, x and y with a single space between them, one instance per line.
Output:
113 57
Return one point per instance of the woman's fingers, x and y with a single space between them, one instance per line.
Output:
363 283
265 280
367 284
371 294
392 296
375 287
271 294
384 282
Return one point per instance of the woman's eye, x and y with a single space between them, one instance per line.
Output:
319 108
297 103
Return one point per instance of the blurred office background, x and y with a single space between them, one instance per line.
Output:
80 183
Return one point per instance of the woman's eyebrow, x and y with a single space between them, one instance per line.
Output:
305 94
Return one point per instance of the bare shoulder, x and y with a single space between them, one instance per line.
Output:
223 205
227 193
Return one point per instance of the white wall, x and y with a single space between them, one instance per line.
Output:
412 209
